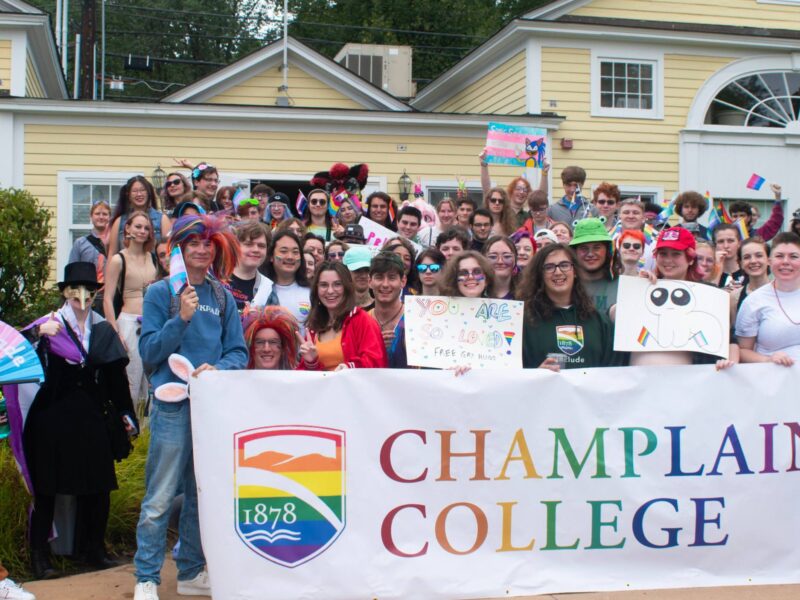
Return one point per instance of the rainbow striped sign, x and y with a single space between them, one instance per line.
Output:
289 484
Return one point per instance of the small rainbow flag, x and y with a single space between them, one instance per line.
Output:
301 204
509 335
726 217
755 182
336 203
644 336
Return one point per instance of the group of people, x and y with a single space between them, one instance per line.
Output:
269 290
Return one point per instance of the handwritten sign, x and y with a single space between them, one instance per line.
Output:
481 333
671 316
376 235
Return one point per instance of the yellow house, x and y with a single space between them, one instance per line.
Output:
657 95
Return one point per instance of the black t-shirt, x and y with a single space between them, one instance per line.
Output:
242 290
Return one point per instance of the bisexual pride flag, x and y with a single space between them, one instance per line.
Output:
289 485
755 182
515 145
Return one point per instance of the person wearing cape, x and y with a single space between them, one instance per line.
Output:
79 421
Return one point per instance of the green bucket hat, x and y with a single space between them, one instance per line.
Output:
590 230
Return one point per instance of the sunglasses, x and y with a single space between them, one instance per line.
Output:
495 200
432 268
606 202
332 255
631 246
318 202
172 182
476 274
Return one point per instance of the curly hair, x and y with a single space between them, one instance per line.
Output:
532 289
278 319
609 189
690 199
212 228
449 281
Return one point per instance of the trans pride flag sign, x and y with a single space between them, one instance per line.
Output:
515 145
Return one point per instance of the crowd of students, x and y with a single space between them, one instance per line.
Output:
270 289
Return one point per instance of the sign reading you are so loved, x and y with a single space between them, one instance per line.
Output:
482 333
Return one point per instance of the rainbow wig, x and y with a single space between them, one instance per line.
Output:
212 228
284 324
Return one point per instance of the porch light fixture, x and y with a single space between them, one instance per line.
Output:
405 184
157 178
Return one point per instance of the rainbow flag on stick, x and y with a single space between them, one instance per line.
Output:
644 336
336 203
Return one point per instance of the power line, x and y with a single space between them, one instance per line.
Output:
183 61
310 23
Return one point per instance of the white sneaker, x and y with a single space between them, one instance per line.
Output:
146 590
13 591
199 586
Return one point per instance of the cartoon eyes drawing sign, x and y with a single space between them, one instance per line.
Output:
671 316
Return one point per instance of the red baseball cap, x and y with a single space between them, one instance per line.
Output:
676 238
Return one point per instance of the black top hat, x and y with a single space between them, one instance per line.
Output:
79 273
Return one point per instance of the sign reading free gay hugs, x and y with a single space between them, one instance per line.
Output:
420 484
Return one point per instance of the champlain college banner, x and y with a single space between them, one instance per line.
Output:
420 484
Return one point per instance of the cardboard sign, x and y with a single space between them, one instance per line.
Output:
444 332
671 316
376 235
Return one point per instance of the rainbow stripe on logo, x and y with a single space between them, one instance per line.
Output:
289 489
644 336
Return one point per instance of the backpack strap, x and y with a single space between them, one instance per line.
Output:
219 296
97 243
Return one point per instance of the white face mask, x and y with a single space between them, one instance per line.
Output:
81 293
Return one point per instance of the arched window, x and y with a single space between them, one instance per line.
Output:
768 99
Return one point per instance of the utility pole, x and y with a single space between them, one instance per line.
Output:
88 41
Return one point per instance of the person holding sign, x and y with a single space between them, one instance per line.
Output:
562 327
468 275
676 259
340 334
769 319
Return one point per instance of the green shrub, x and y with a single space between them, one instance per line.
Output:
25 253
14 500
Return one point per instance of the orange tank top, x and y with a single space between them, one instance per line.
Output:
330 352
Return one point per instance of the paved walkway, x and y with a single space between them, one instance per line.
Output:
117 584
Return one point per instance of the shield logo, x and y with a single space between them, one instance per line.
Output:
569 339
289 483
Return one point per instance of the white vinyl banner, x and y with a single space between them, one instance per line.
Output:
419 484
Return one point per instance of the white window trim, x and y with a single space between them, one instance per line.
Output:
643 189
448 183
785 2
66 179
628 53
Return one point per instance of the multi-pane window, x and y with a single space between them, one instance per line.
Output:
436 194
84 196
627 85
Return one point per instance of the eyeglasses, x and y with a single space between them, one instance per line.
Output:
507 259
495 200
539 210
270 343
318 202
631 246
172 182
606 202
476 274
332 255
521 188
434 268
564 267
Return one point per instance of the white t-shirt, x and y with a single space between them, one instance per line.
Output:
296 299
761 317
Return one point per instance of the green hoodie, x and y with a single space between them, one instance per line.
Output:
586 343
